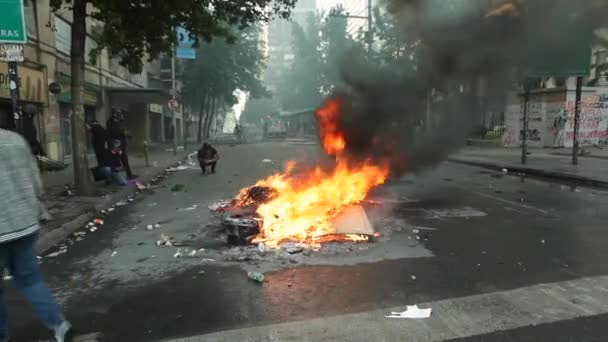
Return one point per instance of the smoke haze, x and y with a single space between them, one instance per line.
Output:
467 57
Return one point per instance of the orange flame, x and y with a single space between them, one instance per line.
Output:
332 139
305 203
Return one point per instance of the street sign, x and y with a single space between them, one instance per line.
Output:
173 104
184 49
561 45
12 22
11 53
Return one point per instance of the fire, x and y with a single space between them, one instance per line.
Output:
305 204
327 116
301 206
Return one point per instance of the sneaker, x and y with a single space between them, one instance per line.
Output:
62 331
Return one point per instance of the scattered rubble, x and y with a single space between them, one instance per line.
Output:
292 248
121 203
256 276
58 253
93 229
114 253
178 254
267 161
178 187
412 312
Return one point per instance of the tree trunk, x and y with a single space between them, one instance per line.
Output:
204 102
209 118
82 174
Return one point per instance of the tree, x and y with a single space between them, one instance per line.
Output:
211 80
133 30
301 85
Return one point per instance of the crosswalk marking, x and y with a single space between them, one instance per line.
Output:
452 318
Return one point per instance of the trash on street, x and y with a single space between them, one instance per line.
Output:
93 229
178 187
267 161
178 254
149 227
114 253
412 312
56 254
256 276
98 222
121 203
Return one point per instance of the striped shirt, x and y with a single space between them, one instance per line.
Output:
20 189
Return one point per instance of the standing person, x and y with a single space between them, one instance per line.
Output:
207 158
559 125
23 212
117 131
238 133
99 139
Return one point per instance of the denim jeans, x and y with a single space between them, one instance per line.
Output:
19 257
113 177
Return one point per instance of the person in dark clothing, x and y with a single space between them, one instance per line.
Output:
116 131
99 139
207 158
111 165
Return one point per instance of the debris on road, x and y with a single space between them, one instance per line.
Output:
98 222
165 240
58 253
149 227
207 260
111 209
93 229
542 241
505 171
262 249
79 234
267 161
194 207
114 253
178 254
178 168
256 276
413 277
292 248
121 203
412 312
178 187
156 226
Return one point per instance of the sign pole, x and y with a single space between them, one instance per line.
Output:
577 116
524 137
174 92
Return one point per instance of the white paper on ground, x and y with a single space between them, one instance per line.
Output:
413 312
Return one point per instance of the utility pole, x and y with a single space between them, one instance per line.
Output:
369 18
577 116
370 32
174 96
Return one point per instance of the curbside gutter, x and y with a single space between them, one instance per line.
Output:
48 239
559 176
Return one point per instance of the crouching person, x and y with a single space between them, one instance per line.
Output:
207 158
111 168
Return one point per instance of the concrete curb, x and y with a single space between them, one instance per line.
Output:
565 177
48 239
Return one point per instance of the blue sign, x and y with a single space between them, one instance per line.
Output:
185 44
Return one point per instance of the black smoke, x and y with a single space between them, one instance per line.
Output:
468 59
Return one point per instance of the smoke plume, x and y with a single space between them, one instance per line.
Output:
468 57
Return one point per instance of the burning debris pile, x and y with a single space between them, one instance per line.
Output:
301 206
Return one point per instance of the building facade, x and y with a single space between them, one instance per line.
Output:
108 85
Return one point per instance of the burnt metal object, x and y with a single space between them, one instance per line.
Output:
241 229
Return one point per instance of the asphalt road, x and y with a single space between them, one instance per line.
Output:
497 258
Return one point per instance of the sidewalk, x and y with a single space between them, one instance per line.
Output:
549 163
74 212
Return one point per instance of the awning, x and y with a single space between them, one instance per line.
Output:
125 96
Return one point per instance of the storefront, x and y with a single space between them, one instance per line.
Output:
65 112
34 96
156 123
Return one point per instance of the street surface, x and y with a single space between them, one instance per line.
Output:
497 257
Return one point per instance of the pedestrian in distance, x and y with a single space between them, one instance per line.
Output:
23 215
117 131
207 158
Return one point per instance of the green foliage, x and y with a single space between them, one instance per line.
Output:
136 29
221 68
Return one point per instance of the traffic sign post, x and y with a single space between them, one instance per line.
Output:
12 36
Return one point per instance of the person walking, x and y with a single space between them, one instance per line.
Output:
22 214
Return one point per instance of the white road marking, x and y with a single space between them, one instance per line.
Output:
452 318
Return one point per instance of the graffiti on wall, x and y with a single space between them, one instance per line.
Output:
593 124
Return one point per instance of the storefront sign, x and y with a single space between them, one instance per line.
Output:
156 108
89 96
32 84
